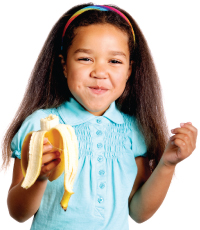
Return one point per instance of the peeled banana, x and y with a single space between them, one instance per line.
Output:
63 139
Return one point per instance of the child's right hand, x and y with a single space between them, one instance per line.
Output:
49 160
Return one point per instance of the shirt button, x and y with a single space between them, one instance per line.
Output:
100 158
99 121
100 200
101 172
102 185
99 145
99 132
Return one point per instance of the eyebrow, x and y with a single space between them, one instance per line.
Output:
89 51
115 53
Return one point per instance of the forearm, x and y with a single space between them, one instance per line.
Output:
24 203
150 196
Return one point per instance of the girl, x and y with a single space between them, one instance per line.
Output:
95 72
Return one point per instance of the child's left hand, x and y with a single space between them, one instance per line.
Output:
180 145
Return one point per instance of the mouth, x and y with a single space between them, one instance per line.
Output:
98 89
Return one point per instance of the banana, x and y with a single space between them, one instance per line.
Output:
63 139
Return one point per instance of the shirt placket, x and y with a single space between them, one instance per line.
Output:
100 160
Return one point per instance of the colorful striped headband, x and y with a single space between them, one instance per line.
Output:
100 8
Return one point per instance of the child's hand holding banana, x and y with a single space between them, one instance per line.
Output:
49 160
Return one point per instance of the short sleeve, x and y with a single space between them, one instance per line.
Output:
138 142
31 123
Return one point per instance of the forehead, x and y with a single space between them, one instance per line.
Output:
100 35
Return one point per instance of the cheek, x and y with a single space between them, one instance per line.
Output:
119 88
76 74
74 82
120 81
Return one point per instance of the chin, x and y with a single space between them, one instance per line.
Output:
97 111
95 107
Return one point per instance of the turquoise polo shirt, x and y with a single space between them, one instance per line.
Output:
108 146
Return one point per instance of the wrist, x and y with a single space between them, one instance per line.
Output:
166 166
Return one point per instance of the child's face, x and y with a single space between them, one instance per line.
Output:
98 66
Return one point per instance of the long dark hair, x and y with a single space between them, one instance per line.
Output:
142 98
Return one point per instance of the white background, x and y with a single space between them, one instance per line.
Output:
172 31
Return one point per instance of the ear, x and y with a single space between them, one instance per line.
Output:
63 64
130 70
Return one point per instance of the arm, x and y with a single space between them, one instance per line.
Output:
142 175
24 203
148 198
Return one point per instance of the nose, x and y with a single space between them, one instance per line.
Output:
99 71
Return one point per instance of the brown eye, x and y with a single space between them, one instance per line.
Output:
84 59
114 61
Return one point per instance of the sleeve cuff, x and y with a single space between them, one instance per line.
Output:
17 154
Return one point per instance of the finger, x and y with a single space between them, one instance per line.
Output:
48 157
47 168
182 137
45 141
184 150
189 126
186 127
188 130
47 148
181 144
188 144
184 130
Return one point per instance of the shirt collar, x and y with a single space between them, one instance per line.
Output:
73 113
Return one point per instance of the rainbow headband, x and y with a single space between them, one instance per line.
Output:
100 8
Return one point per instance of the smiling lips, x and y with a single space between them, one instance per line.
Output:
98 89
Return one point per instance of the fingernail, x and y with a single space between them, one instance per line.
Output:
190 123
57 154
45 140
182 124
172 130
